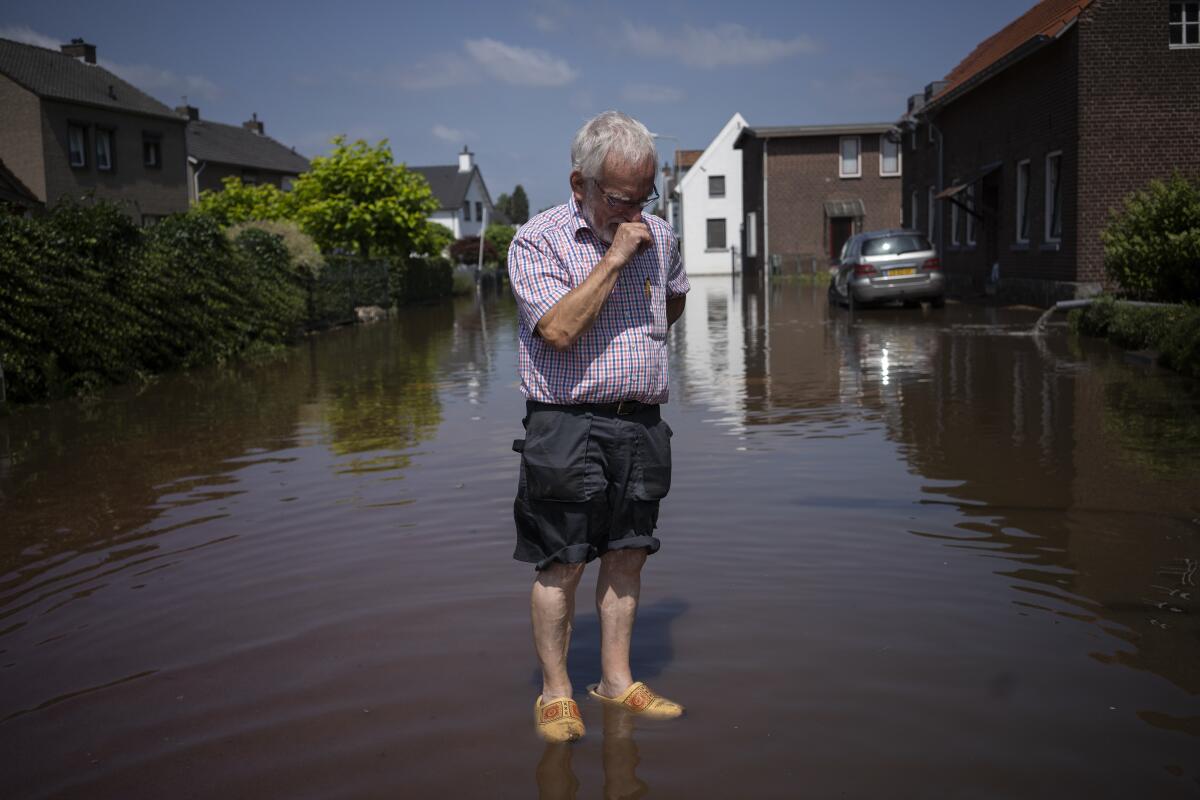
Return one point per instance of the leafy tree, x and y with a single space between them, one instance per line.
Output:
357 199
240 202
504 206
498 238
1152 246
518 206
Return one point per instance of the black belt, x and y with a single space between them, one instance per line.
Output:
621 408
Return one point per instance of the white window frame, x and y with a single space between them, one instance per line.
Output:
884 141
954 223
842 157
1050 189
1022 204
971 217
104 149
72 150
1186 20
931 207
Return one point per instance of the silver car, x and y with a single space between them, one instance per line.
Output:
883 266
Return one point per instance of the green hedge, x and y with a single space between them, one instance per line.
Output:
1172 331
88 299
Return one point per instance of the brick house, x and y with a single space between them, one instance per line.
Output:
70 128
216 151
807 189
1015 160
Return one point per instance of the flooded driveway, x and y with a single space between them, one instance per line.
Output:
911 553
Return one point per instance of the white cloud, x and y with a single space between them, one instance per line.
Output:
518 65
440 72
26 34
652 93
447 134
727 44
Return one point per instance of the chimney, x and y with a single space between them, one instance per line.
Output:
915 102
78 48
191 112
933 88
466 160
253 124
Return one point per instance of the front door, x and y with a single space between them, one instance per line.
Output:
840 229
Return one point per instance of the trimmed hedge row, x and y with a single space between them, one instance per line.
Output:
88 299
1172 331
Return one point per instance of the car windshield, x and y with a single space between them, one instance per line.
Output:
895 245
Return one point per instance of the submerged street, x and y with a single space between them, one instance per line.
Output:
907 553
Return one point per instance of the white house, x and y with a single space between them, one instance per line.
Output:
463 199
711 198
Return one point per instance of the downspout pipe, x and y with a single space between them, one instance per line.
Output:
766 246
939 212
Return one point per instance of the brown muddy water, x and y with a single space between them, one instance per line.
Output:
914 553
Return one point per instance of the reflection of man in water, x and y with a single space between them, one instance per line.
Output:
597 283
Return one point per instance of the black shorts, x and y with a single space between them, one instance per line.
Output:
590 482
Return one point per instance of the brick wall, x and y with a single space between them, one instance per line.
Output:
1025 112
21 136
154 191
1139 112
802 176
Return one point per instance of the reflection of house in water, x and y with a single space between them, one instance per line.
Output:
707 344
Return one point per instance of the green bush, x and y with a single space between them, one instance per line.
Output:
1152 246
1172 331
302 250
89 299
422 280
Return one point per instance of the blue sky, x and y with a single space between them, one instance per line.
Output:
513 80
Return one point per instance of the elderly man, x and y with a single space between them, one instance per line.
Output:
597 283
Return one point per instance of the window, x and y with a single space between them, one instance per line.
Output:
752 234
850 161
467 211
1184 25
249 177
151 151
478 211
716 185
912 210
895 245
1023 201
971 217
77 145
929 132
889 156
932 207
104 149
954 223
1054 196
716 234
912 138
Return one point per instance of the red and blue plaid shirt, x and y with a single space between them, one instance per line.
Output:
624 354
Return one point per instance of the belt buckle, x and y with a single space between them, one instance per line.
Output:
621 408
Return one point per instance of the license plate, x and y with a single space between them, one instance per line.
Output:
892 273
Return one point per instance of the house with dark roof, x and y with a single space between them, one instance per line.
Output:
70 128
1017 157
216 151
463 199
809 188
15 196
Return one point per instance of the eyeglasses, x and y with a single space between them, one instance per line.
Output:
621 204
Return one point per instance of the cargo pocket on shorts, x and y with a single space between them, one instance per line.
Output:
654 462
554 456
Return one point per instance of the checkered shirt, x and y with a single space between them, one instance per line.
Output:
624 354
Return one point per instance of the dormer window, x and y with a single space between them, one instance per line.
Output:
1184 24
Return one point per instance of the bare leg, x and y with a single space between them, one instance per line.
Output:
553 610
617 588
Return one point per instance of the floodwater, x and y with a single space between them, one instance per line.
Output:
911 553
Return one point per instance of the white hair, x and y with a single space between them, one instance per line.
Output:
610 133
